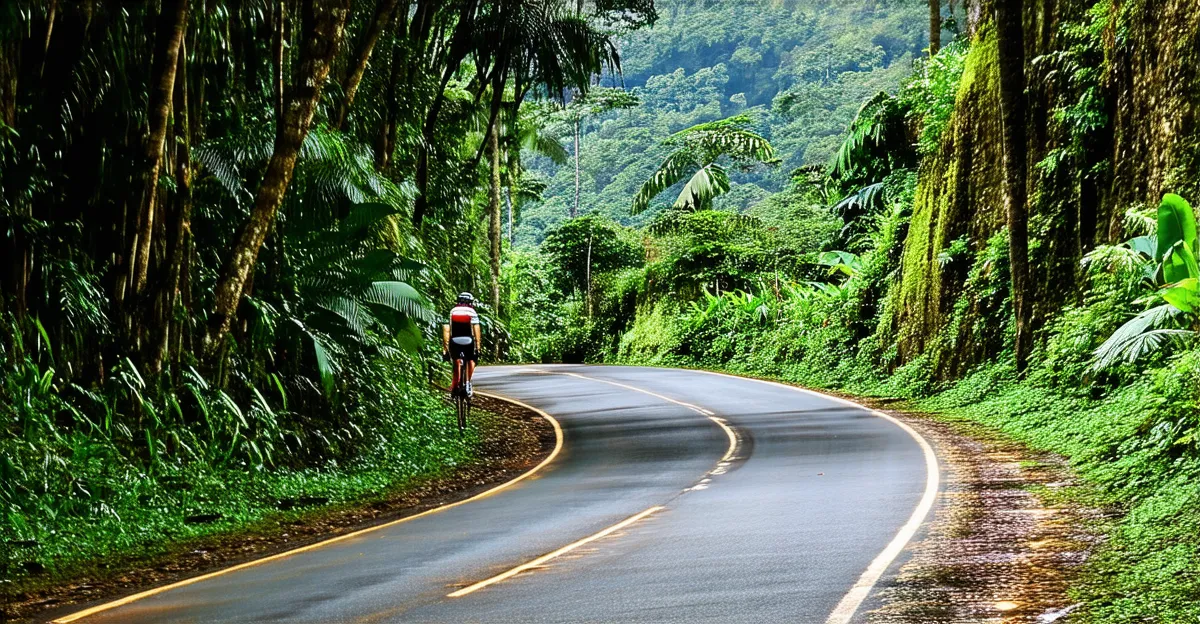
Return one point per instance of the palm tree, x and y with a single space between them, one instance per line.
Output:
519 46
697 152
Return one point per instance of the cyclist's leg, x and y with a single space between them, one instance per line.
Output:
454 380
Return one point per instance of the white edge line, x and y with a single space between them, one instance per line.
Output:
844 612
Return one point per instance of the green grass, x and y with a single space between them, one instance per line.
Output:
143 516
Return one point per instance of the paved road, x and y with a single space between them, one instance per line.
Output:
780 529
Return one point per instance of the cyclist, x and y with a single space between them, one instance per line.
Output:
460 340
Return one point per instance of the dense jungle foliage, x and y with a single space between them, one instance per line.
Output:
880 259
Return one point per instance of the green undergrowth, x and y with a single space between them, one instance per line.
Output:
1149 567
150 512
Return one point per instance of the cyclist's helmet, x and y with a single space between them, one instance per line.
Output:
465 298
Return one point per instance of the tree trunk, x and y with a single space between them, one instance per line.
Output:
181 228
508 202
494 232
383 15
169 38
1011 60
279 37
935 26
323 21
588 270
385 143
575 206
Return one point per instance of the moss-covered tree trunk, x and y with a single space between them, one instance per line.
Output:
1010 39
323 22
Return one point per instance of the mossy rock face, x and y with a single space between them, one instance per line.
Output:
1155 75
1151 86
960 194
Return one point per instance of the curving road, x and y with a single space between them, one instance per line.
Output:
678 496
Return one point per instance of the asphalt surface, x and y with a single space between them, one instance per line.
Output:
814 491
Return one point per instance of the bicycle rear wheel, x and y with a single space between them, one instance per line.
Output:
463 401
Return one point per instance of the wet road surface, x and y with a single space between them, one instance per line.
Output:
733 501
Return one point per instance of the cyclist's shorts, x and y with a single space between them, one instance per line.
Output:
463 348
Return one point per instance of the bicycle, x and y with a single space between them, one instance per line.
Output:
458 392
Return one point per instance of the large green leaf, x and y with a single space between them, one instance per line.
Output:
1143 244
1184 295
1179 263
1176 223
401 297
1137 337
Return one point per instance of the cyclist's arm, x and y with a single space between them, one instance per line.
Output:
446 338
478 334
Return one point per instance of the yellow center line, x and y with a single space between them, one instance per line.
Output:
732 437
695 408
729 454
558 445
551 555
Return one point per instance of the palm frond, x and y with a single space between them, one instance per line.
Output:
707 183
544 145
668 174
401 297
356 316
1137 337
866 199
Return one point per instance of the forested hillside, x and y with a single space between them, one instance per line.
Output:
801 67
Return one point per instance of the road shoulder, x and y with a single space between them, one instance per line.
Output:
1007 540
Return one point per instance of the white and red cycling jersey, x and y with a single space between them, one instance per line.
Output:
462 320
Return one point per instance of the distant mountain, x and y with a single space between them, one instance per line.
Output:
804 67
